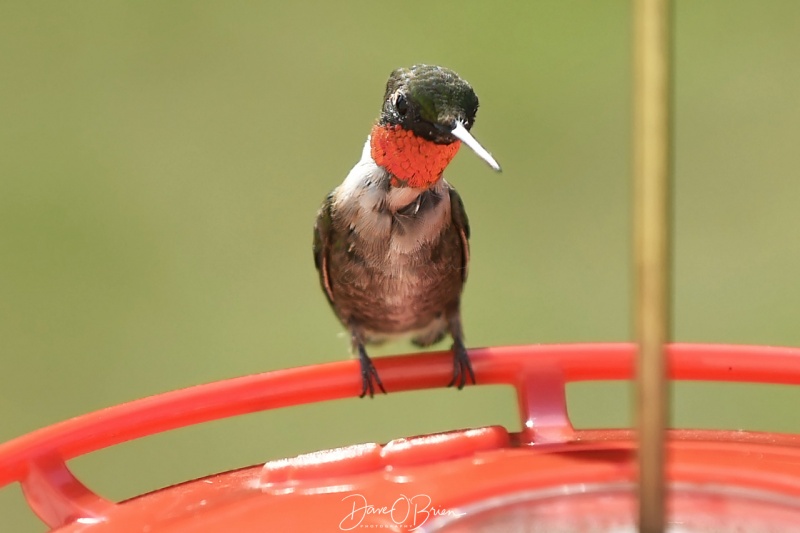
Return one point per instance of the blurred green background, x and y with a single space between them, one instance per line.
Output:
162 164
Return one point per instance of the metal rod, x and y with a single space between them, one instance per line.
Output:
652 168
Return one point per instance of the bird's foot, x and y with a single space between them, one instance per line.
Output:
462 368
369 376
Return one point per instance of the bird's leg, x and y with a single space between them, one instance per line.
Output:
369 376
462 368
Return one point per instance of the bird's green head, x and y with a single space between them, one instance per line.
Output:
429 100
427 113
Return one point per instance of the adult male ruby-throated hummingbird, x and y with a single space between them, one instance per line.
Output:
390 243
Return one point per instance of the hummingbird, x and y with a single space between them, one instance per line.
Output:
391 242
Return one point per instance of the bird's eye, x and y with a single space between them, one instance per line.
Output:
400 104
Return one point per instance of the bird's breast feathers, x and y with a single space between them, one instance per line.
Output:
397 219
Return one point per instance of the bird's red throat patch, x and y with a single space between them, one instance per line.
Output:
412 160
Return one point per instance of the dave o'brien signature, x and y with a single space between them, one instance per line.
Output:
411 511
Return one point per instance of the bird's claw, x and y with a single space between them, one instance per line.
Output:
369 375
462 368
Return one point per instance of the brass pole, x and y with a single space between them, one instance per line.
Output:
652 168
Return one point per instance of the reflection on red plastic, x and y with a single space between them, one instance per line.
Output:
487 461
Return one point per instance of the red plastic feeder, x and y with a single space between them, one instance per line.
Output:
549 477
